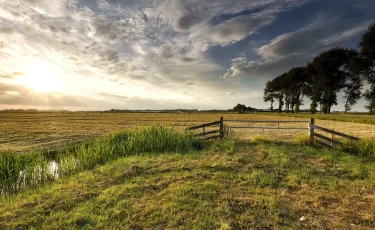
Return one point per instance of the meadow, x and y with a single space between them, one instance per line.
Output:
22 131
230 184
145 171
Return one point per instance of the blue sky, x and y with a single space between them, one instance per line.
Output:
164 54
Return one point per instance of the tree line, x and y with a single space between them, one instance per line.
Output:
333 71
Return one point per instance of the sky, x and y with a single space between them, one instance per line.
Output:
164 54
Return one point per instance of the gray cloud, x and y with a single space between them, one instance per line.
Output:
239 28
6 30
295 48
63 29
105 28
323 34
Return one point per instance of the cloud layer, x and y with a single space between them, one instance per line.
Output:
159 53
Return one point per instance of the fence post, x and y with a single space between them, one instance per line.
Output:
221 127
311 130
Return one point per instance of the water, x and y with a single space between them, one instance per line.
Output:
53 169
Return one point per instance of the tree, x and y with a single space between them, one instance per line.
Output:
353 84
328 77
278 87
352 92
269 94
370 97
367 46
313 87
239 108
296 81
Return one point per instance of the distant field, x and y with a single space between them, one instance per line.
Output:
24 131
363 118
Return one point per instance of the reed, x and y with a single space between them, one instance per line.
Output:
30 170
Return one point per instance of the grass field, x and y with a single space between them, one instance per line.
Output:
21 132
231 184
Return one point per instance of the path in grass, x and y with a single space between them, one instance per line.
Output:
262 185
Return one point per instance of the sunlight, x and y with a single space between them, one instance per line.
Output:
41 77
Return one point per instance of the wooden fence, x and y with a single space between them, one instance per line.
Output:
219 133
212 134
249 126
332 141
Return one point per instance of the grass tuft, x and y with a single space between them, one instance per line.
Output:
302 140
364 147
259 138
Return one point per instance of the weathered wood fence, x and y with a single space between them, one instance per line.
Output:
211 134
219 133
313 135
277 124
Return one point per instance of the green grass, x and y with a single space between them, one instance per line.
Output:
231 184
365 147
32 169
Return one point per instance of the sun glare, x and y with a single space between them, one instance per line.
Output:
40 77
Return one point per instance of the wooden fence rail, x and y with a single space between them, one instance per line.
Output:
219 133
208 134
249 126
331 140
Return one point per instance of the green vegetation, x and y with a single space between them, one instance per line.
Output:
32 169
363 148
333 71
231 184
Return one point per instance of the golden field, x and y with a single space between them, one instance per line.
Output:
21 131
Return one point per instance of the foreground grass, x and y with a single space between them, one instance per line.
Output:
232 185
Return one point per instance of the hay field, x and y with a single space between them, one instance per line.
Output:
21 131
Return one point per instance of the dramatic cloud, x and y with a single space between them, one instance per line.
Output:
136 54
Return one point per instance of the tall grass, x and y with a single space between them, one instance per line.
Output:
18 171
364 147
30 170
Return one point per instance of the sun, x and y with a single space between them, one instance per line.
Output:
41 77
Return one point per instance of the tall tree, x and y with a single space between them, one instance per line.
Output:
297 83
279 88
354 68
370 97
270 94
314 83
367 45
352 92
328 76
